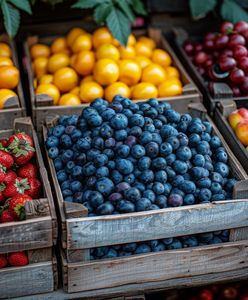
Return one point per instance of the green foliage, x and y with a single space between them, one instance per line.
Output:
200 9
116 14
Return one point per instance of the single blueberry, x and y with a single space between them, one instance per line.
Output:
152 149
205 195
101 160
116 176
172 116
95 199
161 176
149 194
190 241
180 167
142 248
52 141
175 200
94 121
229 185
170 172
67 155
105 209
206 137
125 206
65 141
215 142
146 176
174 142
222 169
122 186
132 194
124 166
61 176
161 201
53 152
168 131
189 199
120 135
111 164
144 163
105 186
183 153
58 164
198 160
176 244
130 178
170 158
98 143
77 172
158 188
221 156
102 172
84 144
69 166
204 183
218 197
109 152
140 186
135 131
89 169
106 131
119 121
142 204
194 139
138 151
108 114
159 163
90 182
203 147
145 137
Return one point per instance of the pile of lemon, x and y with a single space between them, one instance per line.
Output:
81 67
9 74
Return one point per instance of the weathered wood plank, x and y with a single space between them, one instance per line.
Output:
170 222
37 208
26 235
144 287
162 266
40 255
75 210
78 255
28 280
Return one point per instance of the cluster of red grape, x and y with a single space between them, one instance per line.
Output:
223 56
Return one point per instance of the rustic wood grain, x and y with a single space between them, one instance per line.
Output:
75 210
162 266
37 208
28 280
39 255
77 255
169 222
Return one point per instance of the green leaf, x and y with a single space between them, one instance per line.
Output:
138 7
231 11
123 5
23 5
119 25
84 4
11 17
102 11
199 9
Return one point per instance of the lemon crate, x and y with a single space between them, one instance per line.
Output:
36 235
150 271
15 106
42 104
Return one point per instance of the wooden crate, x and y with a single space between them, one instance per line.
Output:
42 104
39 230
15 106
221 91
183 267
224 108
39 276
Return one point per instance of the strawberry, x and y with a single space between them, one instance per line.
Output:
10 176
7 216
28 171
21 147
2 173
3 261
3 143
16 187
1 195
35 187
16 205
6 160
18 259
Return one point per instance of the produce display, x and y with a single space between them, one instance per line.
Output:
18 176
222 56
14 259
238 120
9 74
81 66
124 157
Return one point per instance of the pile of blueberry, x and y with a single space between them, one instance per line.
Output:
123 157
202 239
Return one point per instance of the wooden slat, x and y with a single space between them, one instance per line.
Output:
37 208
157 266
169 222
39 255
26 235
28 280
78 255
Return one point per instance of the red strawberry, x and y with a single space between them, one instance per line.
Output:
3 261
7 216
3 143
28 171
35 187
2 173
18 259
16 187
6 160
16 205
21 147
1 195
10 176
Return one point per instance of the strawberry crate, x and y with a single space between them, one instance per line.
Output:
42 104
39 276
15 106
39 230
167 269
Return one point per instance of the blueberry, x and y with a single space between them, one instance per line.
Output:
130 178
215 240
183 153
114 197
91 154
174 142
195 127
221 156
203 148
170 159
111 164
67 155
215 176
215 142
77 172
65 141
156 137
65 185
182 126
204 183
116 176
101 160
161 176
122 186
222 169
176 244
89 169
68 199
199 172
146 176
106 131
109 152
199 160
194 139
123 151
58 164
183 139
98 143
172 116
144 163
84 144
158 188
157 123
58 130
66 193
180 167
130 140
119 121
175 200
78 197
127 112
205 195
140 186
167 241
62 119
209 166
111 254
123 253
69 166
105 186
165 149
108 114
101 251
170 172
132 194
135 131
149 194
95 199
102 172
159 163
189 199
168 131
61 176
163 119
229 185
152 149
186 118
142 248
121 134
161 201
143 204
178 181
145 137
124 166
188 187
216 188
134 107
82 125
190 242
138 151
206 137
125 206
91 181
218 197
95 121
76 134
52 141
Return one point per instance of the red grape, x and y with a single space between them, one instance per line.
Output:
198 47
237 76
243 64
241 26
236 39
244 85
226 26
200 58
227 52
236 91
245 35
239 51
227 63
209 36
221 41
188 48
209 44
209 62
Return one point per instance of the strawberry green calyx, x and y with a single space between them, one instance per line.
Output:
20 212
20 147
22 185
2 187
3 168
